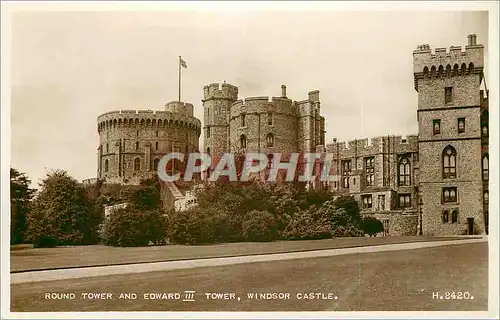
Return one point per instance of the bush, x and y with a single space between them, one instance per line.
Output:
372 226
259 226
347 231
131 227
308 224
61 214
192 226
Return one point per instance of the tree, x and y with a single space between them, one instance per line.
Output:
20 199
61 214
351 207
131 227
259 226
372 226
147 195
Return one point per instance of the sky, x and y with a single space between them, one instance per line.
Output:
67 68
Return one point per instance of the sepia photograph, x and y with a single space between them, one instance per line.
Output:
249 159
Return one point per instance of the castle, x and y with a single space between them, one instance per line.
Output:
433 183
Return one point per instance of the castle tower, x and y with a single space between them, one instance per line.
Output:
217 99
450 137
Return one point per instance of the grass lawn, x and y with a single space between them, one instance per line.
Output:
381 281
27 258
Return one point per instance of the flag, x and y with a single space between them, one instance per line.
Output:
183 63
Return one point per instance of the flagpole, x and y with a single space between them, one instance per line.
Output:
179 78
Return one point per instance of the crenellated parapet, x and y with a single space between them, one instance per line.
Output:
257 105
451 62
370 146
146 118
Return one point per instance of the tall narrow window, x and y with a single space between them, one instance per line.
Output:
370 171
445 216
243 142
107 147
137 164
156 161
486 197
137 133
106 165
243 120
270 118
381 202
448 92
208 132
156 145
454 216
486 171
484 123
450 194
270 140
157 134
137 145
404 172
346 172
436 126
461 125
449 163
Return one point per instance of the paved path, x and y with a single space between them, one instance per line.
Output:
60 274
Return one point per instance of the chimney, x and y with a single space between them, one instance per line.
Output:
472 39
283 91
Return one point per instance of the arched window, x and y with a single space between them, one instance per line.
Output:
471 68
137 145
486 197
243 141
433 72
107 147
484 123
404 171
454 216
445 216
156 161
137 133
106 165
243 120
156 145
137 164
208 151
463 69
270 140
449 163
486 167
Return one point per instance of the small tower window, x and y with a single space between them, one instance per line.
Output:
243 120
454 216
448 92
155 163
156 145
270 140
461 125
137 164
369 171
449 163
106 165
445 216
137 145
486 171
107 147
243 141
436 126
208 132
137 133
486 197
404 201
157 134
270 118
450 194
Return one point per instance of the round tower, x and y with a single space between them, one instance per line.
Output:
217 99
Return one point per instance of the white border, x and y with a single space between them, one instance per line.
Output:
7 8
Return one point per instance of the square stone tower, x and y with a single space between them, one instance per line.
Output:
450 135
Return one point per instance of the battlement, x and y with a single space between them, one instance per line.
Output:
114 119
184 108
373 144
454 57
220 91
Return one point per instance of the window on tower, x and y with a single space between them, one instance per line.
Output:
370 171
454 216
346 172
367 201
208 132
449 194
404 200
106 165
449 163
448 92
243 142
461 125
270 118
137 164
436 126
243 120
445 216
486 171
270 140
404 172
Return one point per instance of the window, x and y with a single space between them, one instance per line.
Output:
270 140
484 123
156 145
243 120
436 126
448 91
486 171
454 216
208 132
270 118
106 165
370 171
107 147
157 134
243 142
461 125
450 194
445 216
137 133
486 196
367 201
404 171
208 151
485 130
156 162
137 145
381 203
137 164
346 172
404 201
449 163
